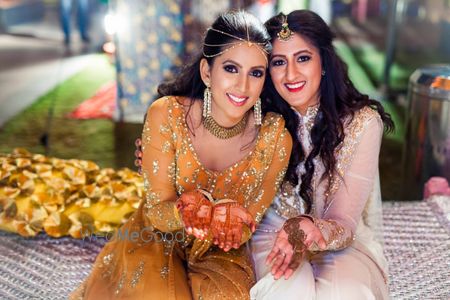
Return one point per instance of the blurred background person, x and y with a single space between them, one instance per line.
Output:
66 10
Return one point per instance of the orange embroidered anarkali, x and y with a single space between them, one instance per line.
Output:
156 264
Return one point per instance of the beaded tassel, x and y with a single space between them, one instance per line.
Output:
258 113
207 102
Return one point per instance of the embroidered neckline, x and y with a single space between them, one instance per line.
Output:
218 173
307 120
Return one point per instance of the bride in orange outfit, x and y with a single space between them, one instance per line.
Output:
211 161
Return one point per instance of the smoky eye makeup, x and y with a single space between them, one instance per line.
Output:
277 62
230 68
303 58
257 73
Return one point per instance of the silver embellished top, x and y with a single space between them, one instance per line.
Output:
340 203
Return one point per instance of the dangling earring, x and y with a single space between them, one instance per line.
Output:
257 111
323 73
207 102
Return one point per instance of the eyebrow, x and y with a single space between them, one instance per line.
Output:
295 54
240 66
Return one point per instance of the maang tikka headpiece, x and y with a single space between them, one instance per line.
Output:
232 45
285 33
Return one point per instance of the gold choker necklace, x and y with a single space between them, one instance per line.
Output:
224 133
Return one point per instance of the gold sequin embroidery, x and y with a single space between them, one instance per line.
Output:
120 284
282 154
108 264
345 153
164 129
164 272
155 167
137 274
165 147
334 234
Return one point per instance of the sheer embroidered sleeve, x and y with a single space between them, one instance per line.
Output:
357 166
158 164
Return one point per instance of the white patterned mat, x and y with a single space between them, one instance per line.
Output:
417 246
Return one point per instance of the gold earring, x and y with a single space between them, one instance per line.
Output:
258 112
207 102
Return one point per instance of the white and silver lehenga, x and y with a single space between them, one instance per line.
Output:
347 212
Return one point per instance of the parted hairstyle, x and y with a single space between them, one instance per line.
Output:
237 23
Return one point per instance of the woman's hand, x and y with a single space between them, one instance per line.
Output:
195 208
291 245
227 224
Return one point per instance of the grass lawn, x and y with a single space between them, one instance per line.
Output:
68 138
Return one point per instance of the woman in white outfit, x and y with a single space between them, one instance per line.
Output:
321 238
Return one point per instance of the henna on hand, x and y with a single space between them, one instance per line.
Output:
296 237
195 208
227 224
292 245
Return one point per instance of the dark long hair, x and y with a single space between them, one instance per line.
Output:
339 100
237 23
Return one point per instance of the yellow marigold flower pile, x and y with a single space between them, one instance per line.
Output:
64 197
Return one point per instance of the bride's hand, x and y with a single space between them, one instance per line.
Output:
195 209
292 244
227 224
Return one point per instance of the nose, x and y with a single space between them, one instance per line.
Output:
242 83
291 71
